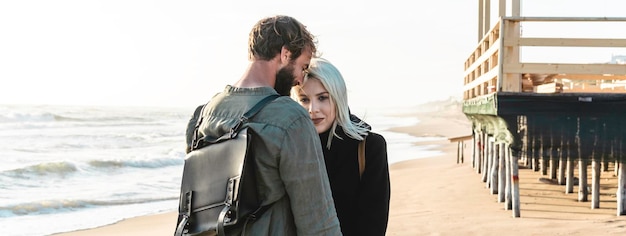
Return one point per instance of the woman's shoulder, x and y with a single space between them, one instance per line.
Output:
375 137
375 141
376 150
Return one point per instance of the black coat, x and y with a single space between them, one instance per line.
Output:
362 204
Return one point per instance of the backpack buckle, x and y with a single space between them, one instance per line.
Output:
234 130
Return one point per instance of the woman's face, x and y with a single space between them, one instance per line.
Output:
315 98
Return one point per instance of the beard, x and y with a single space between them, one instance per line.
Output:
284 80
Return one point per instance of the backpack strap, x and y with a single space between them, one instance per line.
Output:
361 157
184 217
196 134
201 142
246 116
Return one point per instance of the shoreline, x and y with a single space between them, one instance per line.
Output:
435 195
145 225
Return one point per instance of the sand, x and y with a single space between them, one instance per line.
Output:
438 196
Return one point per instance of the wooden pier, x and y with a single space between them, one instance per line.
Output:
549 116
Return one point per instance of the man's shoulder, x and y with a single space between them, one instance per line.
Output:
285 106
283 113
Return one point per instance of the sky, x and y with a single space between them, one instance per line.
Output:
180 53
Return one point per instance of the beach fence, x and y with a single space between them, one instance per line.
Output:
550 116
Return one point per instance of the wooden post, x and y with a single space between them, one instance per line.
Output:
585 153
493 183
515 184
621 188
515 7
508 201
620 170
476 154
462 146
458 152
523 132
582 181
529 147
485 161
543 154
572 154
561 155
473 149
616 170
561 175
553 154
553 166
616 149
481 152
606 145
484 18
536 148
481 29
619 148
569 180
502 176
562 167
595 178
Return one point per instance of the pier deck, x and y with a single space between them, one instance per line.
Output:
545 114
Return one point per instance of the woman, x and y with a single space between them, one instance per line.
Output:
361 200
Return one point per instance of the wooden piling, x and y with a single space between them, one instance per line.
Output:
621 189
515 185
595 185
508 201
502 176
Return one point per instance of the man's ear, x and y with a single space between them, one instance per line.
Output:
285 54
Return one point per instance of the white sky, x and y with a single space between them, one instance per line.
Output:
179 53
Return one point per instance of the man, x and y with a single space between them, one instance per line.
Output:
291 173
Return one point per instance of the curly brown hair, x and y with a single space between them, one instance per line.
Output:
270 34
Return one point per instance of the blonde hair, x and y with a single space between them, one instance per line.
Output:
332 80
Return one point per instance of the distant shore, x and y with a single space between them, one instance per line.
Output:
437 196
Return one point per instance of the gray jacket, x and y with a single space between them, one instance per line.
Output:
291 172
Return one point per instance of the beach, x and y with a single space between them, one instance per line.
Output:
438 196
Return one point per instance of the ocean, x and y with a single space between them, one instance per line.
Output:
66 168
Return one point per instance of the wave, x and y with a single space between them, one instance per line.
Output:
52 117
63 168
48 168
56 206
148 163
66 118
39 114
27 117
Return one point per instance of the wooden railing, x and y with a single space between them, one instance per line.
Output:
495 64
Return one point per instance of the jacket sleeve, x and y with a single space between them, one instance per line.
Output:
303 172
374 188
